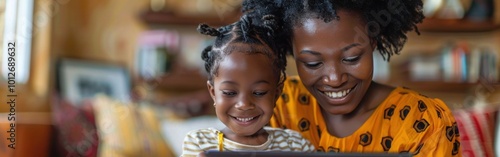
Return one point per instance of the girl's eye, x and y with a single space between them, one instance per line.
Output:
228 93
260 93
351 59
312 64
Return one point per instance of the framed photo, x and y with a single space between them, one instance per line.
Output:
79 80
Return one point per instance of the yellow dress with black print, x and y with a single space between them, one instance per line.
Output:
406 121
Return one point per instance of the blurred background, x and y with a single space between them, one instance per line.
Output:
125 78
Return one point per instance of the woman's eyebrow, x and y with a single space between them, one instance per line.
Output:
310 52
342 50
349 47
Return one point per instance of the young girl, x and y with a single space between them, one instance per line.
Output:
246 74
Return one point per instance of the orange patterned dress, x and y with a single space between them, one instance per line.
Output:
406 121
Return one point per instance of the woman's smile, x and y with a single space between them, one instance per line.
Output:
338 94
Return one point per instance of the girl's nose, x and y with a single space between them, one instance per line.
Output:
245 103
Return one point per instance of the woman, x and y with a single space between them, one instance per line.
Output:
335 104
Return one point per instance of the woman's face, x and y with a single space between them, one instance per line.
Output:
334 60
245 92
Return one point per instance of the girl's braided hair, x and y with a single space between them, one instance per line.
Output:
251 34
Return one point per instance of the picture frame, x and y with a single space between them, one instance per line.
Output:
80 80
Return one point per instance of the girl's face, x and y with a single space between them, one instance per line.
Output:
245 92
334 60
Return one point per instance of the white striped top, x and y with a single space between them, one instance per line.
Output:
201 140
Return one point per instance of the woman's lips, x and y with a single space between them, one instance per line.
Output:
339 94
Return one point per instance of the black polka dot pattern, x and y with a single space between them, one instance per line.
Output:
304 99
333 149
404 112
417 151
455 128
386 143
285 97
420 125
319 130
422 106
320 149
304 124
456 148
365 139
389 112
450 133
438 113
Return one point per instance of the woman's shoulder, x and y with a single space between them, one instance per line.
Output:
292 81
293 86
404 94
411 102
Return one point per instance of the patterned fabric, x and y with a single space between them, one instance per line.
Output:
201 140
128 130
477 131
75 128
405 122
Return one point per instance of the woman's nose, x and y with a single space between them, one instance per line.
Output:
334 76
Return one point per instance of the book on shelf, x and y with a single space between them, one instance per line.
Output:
458 63
489 66
155 52
425 68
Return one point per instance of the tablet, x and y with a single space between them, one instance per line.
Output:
300 154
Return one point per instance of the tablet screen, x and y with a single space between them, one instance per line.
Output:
299 154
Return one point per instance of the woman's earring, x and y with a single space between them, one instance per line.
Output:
214 104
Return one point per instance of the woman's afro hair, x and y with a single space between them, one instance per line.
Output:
388 20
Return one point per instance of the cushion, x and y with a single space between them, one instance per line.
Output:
75 132
477 130
128 129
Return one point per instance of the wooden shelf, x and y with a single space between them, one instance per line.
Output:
439 86
456 25
155 18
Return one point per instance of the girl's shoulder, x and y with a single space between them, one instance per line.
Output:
284 133
203 134
279 133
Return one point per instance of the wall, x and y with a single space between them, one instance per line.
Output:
104 30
